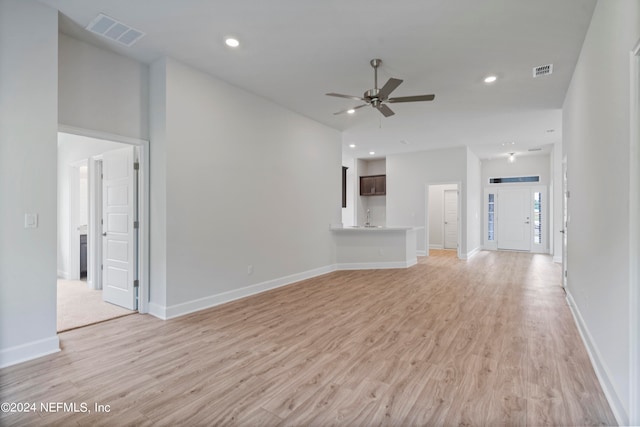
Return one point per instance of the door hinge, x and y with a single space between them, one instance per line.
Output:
136 224
136 166
101 267
565 273
136 283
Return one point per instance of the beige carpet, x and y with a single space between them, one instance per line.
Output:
80 306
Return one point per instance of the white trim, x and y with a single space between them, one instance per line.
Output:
471 253
376 265
181 309
597 362
143 212
63 275
31 350
436 246
421 253
634 241
557 259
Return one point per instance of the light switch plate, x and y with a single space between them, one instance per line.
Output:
31 220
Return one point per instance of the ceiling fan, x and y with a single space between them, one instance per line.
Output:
377 97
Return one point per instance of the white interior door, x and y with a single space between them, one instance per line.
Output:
119 238
450 219
514 219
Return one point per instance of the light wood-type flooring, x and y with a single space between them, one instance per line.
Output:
489 341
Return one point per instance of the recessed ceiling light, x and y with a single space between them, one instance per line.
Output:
351 111
231 42
352 145
372 152
490 79
508 143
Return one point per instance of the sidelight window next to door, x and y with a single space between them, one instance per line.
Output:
515 218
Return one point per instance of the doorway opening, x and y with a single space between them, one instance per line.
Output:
101 208
443 217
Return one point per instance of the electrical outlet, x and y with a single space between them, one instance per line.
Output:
250 269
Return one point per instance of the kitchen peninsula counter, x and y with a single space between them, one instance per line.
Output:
374 247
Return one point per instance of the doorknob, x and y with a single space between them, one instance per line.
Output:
526 222
562 231
104 234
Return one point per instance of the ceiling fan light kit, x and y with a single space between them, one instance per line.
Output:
378 98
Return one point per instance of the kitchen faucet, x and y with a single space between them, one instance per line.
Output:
368 223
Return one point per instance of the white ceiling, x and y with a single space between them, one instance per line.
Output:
294 51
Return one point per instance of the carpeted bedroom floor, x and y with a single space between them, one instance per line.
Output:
78 305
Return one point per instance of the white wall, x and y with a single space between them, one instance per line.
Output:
556 192
349 213
247 183
28 129
408 175
596 142
102 91
436 214
377 205
473 203
158 185
523 166
71 149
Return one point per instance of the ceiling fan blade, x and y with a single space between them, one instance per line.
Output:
412 98
386 111
353 108
389 87
339 95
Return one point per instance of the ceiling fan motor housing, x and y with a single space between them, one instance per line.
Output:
371 97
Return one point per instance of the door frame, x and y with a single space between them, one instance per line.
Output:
634 233
565 222
74 233
426 215
444 216
143 204
95 225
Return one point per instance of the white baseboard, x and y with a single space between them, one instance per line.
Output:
181 309
63 275
421 253
596 361
470 253
32 350
157 310
436 246
376 265
557 259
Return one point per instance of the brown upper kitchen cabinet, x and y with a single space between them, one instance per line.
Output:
374 185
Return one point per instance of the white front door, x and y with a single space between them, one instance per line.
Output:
514 219
119 235
450 219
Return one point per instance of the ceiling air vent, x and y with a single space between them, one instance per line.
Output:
535 149
542 70
114 30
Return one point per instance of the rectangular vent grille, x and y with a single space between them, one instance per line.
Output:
535 149
542 70
115 30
